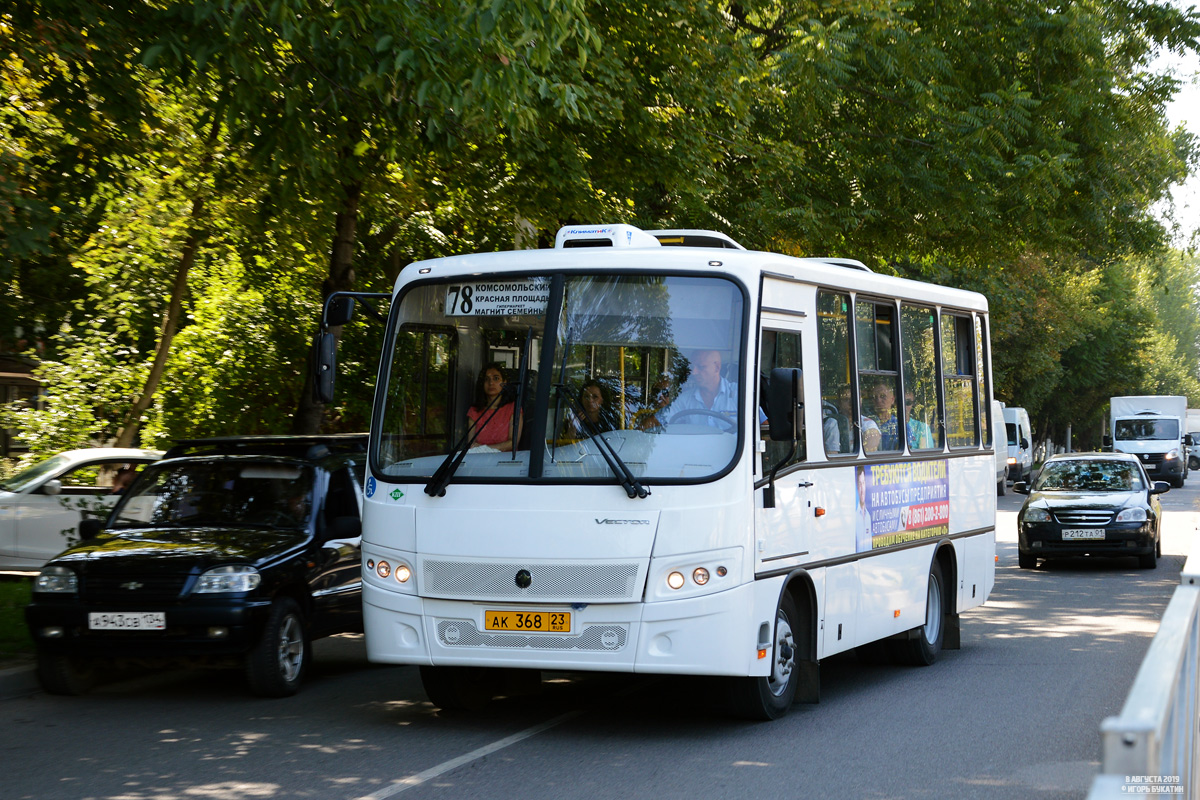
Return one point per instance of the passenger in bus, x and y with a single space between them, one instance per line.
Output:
920 437
660 397
596 417
493 410
867 426
705 391
883 396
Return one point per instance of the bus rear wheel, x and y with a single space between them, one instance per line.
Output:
770 697
923 649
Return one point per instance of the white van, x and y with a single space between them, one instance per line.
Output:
1020 444
1001 448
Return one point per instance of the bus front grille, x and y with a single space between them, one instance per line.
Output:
568 583
463 633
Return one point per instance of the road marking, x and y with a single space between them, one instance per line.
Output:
446 766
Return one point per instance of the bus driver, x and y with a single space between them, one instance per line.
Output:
705 391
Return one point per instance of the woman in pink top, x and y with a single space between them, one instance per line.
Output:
497 430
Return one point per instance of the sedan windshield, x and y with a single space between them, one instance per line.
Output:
31 475
1089 476
233 492
626 378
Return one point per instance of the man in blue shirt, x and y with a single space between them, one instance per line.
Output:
705 391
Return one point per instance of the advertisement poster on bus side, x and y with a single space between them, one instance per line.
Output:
901 502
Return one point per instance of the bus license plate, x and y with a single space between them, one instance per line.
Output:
138 621
527 621
1083 533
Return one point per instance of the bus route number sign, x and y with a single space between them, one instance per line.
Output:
497 298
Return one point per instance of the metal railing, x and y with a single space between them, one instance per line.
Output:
1152 748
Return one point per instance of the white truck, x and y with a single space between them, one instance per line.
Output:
1193 428
1154 428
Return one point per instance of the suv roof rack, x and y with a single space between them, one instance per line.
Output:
308 446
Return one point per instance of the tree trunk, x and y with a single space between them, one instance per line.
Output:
127 433
310 413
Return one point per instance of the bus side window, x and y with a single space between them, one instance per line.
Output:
839 430
780 349
958 375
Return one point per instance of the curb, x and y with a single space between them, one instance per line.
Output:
18 682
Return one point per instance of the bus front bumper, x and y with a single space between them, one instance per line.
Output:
707 635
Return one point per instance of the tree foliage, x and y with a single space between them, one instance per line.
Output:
241 160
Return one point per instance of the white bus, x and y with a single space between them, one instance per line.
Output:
790 458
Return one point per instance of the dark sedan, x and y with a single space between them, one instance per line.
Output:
228 552
1099 504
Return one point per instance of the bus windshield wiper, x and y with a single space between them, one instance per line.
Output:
624 475
445 471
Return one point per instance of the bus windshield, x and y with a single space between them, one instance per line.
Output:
642 376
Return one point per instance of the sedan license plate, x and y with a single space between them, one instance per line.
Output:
527 621
127 621
1083 533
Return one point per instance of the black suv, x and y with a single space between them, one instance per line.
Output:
231 551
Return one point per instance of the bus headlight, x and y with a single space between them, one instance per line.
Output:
677 577
390 570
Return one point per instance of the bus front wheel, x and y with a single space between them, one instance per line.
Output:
460 688
770 697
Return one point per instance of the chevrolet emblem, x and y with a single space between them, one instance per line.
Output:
132 585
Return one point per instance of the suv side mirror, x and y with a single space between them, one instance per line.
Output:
52 487
90 528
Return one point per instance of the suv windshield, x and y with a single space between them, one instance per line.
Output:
648 365
1089 476
225 492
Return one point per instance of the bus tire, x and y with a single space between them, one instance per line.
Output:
276 666
459 688
923 648
770 697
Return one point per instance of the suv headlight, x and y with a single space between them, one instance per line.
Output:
1132 515
228 579
1037 515
58 580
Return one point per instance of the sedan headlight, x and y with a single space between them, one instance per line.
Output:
58 580
228 579
1132 515
1037 515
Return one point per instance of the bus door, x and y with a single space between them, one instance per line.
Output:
782 532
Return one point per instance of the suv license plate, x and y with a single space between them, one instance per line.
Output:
1083 533
136 621
527 621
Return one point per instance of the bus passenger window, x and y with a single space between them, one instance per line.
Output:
879 380
838 427
958 368
919 358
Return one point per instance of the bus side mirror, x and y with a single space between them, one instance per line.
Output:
783 405
326 350
339 312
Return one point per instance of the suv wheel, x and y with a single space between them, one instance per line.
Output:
276 665
64 675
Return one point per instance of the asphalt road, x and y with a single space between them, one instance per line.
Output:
1014 714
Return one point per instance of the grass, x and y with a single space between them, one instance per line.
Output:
15 643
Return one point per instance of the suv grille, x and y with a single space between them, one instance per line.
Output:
133 587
